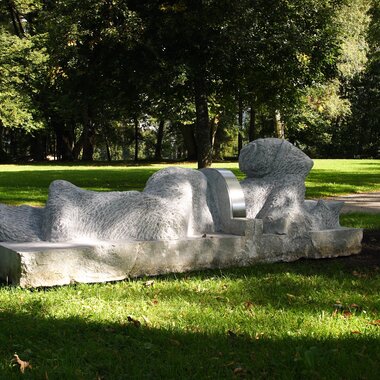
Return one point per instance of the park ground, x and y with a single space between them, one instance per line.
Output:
316 319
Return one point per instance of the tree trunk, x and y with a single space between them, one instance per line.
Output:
136 139
214 125
202 127
38 147
15 20
187 131
88 142
65 141
279 125
240 118
3 155
108 150
160 136
252 124
88 137
78 147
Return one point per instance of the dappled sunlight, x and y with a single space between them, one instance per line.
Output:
78 347
286 320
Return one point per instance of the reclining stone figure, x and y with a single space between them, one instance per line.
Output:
172 206
176 203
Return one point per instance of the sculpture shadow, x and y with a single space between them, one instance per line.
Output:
75 348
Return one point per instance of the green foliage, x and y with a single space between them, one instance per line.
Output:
321 121
22 63
78 69
365 124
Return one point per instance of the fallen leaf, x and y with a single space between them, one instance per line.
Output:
135 322
148 283
239 371
375 323
356 332
154 301
249 304
23 364
359 274
347 314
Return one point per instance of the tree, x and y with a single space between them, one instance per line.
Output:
365 125
263 49
91 44
320 122
23 66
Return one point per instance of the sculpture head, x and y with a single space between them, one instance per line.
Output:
271 156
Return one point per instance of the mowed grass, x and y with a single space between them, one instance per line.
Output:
28 184
361 220
311 319
335 177
308 319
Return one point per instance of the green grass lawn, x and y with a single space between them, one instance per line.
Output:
302 320
311 319
28 184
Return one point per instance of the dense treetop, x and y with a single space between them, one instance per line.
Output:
115 79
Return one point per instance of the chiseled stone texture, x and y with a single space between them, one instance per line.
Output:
275 190
173 205
22 223
48 264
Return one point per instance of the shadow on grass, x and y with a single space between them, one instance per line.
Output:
74 348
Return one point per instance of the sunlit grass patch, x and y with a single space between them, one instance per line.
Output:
334 177
279 321
361 220
28 184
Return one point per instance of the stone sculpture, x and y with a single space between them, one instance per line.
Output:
184 219
173 205
274 189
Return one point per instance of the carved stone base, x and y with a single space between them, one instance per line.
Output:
38 264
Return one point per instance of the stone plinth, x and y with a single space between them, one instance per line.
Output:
39 264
